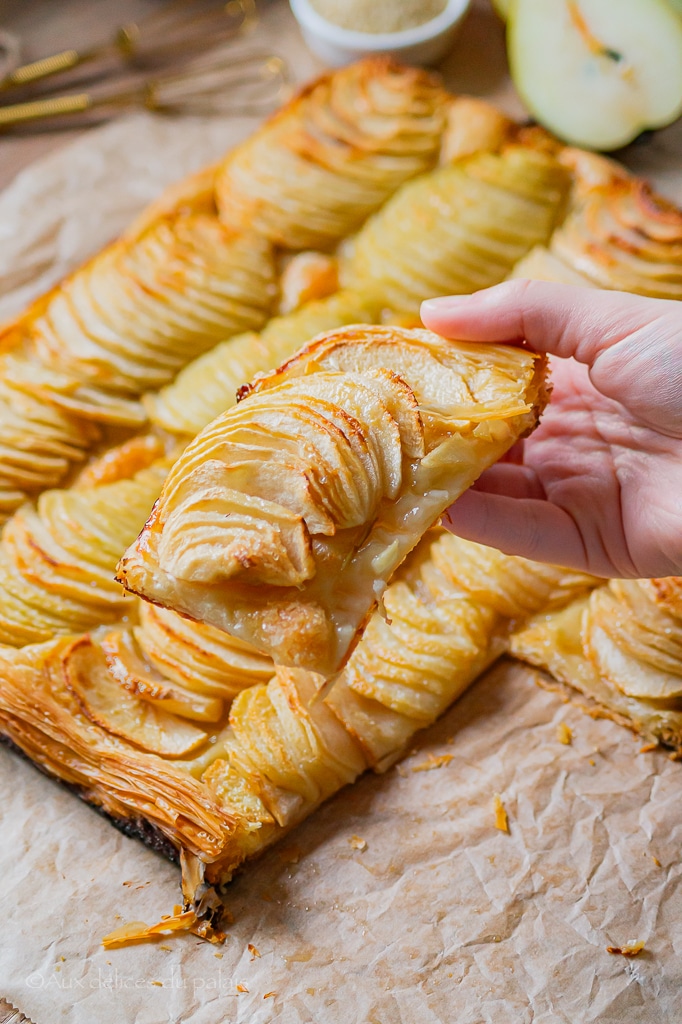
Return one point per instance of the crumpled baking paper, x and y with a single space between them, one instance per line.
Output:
399 902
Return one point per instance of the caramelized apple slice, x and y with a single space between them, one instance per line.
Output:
632 676
128 668
111 706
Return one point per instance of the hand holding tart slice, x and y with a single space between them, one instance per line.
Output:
284 519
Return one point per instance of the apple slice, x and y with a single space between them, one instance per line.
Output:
137 677
111 706
597 72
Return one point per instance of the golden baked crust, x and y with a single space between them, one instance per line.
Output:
137 717
199 266
283 520
460 228
331 157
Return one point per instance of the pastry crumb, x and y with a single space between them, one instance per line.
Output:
656 861
159 984
357 843
647 748
290 854
564 734
242 988
166 949
501 819
432 762
269 995
630 948
253 951
218 956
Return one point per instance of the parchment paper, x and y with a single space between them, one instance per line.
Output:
441 918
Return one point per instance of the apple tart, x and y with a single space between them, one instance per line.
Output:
460 228
621 235
138 718
622 649
284 519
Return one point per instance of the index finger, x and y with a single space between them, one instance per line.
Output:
563 320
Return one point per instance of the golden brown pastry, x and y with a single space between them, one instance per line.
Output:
622 649
283 520
460 228
141 728
332 156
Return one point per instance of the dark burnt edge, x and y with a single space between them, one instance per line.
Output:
135 828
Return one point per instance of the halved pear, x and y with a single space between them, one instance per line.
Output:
597 72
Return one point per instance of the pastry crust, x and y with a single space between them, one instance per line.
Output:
136 718
199 265
332 156
285 518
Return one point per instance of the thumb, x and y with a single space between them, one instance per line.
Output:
559 319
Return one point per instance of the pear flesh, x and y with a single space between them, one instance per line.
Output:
597 72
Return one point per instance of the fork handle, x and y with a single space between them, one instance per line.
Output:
19 113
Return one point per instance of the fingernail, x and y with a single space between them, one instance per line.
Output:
443 303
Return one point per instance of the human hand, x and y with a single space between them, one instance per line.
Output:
598 485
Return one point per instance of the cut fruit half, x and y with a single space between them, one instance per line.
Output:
597 72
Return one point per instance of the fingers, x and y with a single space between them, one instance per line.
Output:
527 527
514 481
560 319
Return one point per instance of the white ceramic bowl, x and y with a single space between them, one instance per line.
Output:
424 44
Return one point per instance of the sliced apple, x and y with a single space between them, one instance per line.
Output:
597 72
108 704
128 668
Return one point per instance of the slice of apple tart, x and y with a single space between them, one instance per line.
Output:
622 649
284 519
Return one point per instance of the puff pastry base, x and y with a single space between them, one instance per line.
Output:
283 521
